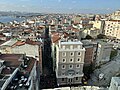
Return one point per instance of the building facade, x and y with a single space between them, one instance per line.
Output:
90 52
115 15
112 28
103 52
69 62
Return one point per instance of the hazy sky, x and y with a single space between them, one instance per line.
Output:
60 6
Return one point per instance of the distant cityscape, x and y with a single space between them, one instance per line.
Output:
53 51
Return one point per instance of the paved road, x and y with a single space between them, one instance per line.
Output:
108 70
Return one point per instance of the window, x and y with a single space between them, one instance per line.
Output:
77 78
78 59
70 80
63 79
78 66
71 66
63 66
71 60
79 53
63 54
63 73
71 54
64 60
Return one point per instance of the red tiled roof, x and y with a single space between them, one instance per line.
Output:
55 39
66 35
28 30
28 41
75 30
11 59
18 43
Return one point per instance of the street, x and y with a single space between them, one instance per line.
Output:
108 71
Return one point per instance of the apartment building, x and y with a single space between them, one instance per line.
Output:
69 62
115 15
90 52
103 52
112 28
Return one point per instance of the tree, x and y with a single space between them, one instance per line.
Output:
101 36
88 37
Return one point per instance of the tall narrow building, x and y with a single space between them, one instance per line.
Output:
69 62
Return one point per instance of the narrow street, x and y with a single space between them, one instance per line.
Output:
48 78
47 59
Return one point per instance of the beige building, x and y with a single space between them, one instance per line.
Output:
112 28
94 32
115 15
69 62
96 24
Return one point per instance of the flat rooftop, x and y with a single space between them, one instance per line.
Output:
71 42
9 43
117 79
11 59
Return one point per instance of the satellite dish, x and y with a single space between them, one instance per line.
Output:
101 76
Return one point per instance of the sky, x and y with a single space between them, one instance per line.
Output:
60 6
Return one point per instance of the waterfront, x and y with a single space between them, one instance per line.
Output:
5 19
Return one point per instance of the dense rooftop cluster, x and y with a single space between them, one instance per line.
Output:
60 50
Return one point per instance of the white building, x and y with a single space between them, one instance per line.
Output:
112 28
116 15
115 83
78 88
69 62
